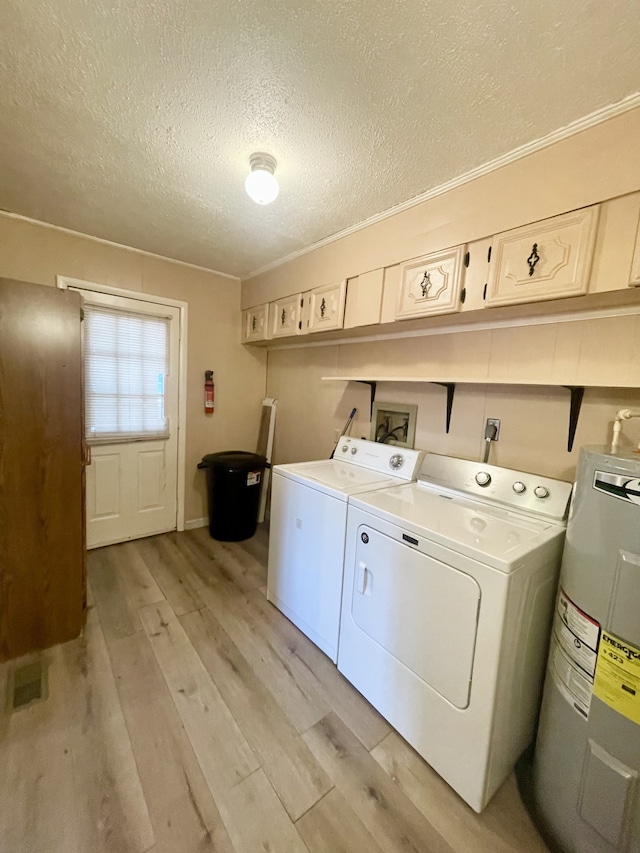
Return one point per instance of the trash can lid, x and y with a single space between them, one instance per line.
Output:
233 460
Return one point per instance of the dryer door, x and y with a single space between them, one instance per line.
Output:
420 610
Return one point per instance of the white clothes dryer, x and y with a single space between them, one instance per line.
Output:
308 525
448 592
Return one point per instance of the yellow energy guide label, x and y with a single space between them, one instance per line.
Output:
617 681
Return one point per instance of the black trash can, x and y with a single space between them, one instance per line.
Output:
234 480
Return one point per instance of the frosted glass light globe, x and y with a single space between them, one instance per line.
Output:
261 186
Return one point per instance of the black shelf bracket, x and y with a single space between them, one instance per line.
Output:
372 388
451 390
577 393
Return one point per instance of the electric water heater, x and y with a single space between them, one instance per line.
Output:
587 759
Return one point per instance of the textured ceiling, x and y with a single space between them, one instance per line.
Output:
133 120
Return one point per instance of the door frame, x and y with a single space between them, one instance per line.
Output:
64 282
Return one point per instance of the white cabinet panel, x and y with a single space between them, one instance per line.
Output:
285 316
326 306
431 284
364 299
546 260
255 325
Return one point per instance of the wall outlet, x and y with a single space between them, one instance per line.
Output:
493 422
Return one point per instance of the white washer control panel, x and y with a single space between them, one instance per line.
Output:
380 457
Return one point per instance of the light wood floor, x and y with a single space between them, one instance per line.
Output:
192 716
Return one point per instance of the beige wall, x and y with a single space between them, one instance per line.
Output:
535 419
31 252
598 164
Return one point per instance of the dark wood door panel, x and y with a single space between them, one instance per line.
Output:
41 478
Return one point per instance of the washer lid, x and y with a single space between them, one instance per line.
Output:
491 535
335 477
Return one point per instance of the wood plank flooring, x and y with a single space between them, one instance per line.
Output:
192 716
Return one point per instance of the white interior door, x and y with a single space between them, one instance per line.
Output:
131 485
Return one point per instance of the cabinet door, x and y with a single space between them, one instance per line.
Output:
326 306
364 299
431 284
284 316
635 266
254 323
546 260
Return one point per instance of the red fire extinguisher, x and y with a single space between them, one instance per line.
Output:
209 391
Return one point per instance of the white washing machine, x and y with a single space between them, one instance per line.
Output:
308 525
448 592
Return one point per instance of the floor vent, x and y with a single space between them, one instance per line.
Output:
27 684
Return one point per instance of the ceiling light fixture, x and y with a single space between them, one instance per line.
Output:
261 184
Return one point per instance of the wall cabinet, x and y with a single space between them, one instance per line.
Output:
546 260
430 284
285 317
325 307
586 251
255 324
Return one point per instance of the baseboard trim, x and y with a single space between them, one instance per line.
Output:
195 523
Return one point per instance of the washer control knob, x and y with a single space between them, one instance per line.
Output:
396 461
541 492
483 478
354 450
519 487
345 447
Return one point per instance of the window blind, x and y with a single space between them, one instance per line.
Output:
126 357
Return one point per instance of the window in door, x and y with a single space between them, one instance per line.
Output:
126 359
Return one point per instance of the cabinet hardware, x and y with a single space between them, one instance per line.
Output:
489 255
484 292
533 258
425 284
467 258
463 295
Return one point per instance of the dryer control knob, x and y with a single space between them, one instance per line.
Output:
519 487
345 447
354 450
396 461
541 492
483 478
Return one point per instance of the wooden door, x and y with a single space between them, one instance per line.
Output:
42 580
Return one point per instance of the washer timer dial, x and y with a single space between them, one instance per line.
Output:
483 478
396 461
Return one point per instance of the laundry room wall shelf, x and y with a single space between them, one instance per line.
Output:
575 400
